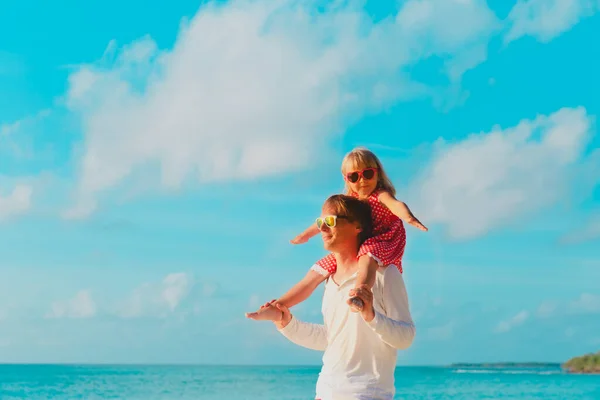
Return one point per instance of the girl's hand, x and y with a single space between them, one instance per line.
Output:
412 220
400 209
267 304
301 238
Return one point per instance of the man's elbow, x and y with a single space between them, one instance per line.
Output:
409 337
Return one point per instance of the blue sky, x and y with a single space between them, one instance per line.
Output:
156 161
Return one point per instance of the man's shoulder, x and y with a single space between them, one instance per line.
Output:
390 275
391 289
390 270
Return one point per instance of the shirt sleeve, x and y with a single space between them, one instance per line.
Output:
305 334
394 324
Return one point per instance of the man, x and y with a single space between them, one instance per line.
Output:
360 349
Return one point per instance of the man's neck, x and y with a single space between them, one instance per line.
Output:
347 262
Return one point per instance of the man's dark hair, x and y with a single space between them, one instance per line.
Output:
354 210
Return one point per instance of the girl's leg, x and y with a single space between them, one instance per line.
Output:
313 278
367 270
298 293
302 290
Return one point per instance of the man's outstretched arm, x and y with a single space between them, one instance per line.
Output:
305 334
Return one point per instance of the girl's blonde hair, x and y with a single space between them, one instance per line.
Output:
361 158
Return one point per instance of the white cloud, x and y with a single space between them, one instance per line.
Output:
81 306
157 299
252 89
518 319
433 27
9 129
254 302
442 332
586 303
17 138
546 19
588 231
17 202
546 309
496 178
175 287
209 289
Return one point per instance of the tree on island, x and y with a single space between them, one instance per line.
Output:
586 364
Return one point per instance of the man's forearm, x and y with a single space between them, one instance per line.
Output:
396 333
305 334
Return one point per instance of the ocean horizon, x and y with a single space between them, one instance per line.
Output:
207 382
270 365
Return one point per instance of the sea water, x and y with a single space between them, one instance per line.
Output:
281 383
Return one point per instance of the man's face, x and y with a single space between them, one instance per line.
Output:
343 234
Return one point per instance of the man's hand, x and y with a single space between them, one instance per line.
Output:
364 293
286 316
300 239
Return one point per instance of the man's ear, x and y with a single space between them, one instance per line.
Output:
359 228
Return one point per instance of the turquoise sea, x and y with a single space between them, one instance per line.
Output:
281 383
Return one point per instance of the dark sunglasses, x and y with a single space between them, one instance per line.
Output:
367 173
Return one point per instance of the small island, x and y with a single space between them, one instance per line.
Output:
506 365
586 364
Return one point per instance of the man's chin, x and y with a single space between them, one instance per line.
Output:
328 245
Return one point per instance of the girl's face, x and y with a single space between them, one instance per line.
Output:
361 179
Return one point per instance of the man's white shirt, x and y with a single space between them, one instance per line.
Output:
359 358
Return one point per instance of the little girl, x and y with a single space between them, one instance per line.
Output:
365 179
